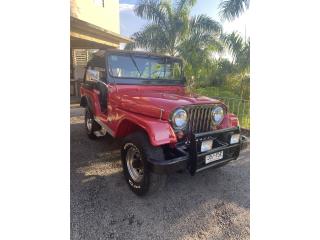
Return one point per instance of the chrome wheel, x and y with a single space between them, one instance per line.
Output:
89 124
134 163
89 121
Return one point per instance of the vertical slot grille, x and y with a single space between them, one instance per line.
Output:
200 118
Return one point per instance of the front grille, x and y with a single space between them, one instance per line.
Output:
200 118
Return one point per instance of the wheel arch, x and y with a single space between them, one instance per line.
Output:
83 101
127 127
86 102
158 134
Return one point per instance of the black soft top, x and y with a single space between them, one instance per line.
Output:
102 53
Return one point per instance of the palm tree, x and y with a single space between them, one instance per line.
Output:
238 47
231 9
172 31
240 50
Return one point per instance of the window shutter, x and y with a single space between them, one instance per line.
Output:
80 57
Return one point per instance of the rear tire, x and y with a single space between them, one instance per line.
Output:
90 124
136 150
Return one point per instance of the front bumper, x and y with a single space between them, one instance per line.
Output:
193 159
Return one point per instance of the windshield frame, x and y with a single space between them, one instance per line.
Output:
141 80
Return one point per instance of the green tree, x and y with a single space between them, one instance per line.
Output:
221 69
239 78
231 9
174 32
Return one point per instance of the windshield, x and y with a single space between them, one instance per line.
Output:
144 67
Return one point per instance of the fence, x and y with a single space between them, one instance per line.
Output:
241 108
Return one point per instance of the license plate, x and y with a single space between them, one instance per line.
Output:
214 157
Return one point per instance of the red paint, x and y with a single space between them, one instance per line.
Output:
135 106
230 120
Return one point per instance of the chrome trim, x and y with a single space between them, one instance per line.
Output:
133 155
161 113
200 117
212 118
173 122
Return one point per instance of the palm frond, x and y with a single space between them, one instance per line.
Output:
184 5
168 8
152 10
234 43
203 34
231 9
203 23
239 49
151 38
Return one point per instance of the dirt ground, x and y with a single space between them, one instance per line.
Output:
214 204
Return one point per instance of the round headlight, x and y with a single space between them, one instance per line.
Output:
217 115
179 119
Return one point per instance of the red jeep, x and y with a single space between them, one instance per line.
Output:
141 97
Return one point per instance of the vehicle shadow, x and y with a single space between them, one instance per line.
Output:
212 204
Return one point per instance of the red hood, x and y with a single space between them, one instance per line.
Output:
151 100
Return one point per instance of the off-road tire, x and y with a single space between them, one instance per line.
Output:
95 126
150 182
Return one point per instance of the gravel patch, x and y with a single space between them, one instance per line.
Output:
214 204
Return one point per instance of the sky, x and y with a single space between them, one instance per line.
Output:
129 23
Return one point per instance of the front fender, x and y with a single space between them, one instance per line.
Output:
230 120
160 132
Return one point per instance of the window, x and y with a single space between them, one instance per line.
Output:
99 3
95 74
101 73
144 67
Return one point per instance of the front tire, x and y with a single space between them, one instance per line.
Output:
90 124
136 150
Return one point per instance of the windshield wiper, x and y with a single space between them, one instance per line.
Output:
135 64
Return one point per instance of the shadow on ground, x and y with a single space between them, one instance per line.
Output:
214 204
